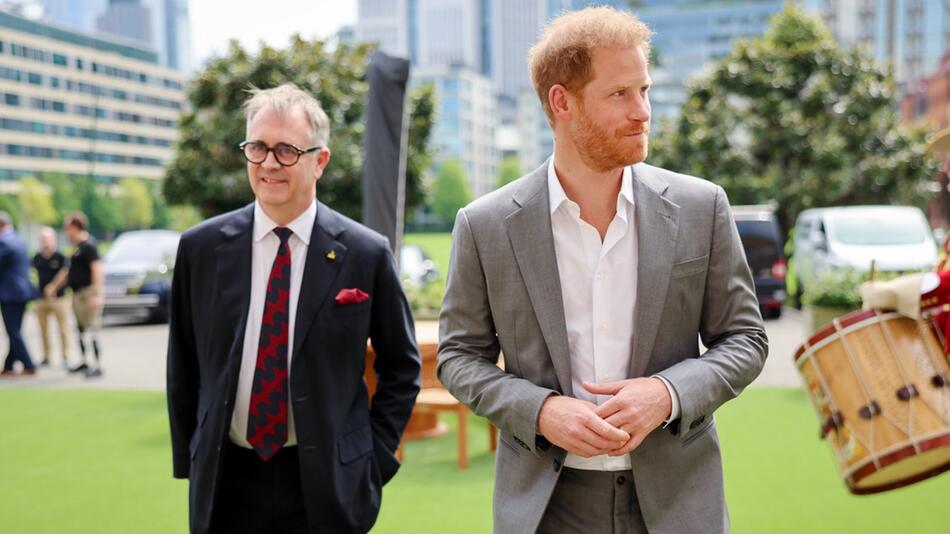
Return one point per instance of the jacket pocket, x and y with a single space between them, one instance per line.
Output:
355 444
702 429
690 267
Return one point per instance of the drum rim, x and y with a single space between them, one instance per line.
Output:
845 321
894 457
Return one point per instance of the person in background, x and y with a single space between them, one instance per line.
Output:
86 277
16 292
48 262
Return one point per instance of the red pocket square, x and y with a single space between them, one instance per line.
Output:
350 296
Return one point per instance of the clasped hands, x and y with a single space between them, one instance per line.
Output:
616 427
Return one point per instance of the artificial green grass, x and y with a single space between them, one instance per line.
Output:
99 461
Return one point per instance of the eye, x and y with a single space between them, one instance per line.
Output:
620 93
285 151
256 147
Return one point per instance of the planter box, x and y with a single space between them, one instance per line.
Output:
814 318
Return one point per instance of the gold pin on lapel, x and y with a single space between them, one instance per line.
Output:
331 255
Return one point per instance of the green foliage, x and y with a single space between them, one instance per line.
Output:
97 202
209 172
181 218
134 204
36 202
9 204
450 192
792 117
508 171
839 288
66 199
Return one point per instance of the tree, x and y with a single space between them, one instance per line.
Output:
36 202
450 192
95 200
66 199
792 117
209 172
134 204
509 171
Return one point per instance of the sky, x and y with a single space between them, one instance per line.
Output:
215 22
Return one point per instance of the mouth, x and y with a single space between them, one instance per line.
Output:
272 181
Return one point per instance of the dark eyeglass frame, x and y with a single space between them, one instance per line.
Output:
300 152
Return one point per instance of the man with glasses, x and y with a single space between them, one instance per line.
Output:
271 309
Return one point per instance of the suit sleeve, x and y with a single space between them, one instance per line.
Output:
469 348
397 366
730 326
182 370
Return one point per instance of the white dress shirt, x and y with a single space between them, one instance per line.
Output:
599 292
263 252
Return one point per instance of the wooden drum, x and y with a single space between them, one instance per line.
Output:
879 382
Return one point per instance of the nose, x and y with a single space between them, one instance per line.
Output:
270 161
640 110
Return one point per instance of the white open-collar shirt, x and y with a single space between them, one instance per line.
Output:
263 251
599 292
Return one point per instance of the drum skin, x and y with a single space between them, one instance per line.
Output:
879 383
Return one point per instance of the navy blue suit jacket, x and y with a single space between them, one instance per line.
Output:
346 448
15 286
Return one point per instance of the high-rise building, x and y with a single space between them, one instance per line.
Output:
448 33
689 35
129 19
168 31
465 125
386 23
83 105
909 35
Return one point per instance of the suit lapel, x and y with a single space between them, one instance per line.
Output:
320 271
529 230
657 225
233 264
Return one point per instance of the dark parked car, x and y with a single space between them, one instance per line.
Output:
139 268
762 241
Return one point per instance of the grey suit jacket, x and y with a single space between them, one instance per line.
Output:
504 294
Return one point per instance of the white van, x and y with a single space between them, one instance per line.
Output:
897 238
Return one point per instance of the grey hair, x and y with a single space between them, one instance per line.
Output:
283 99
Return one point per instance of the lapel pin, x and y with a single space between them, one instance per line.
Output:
331 255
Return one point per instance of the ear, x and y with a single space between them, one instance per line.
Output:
321 161
561 102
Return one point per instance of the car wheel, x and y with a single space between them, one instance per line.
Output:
771 313
158 315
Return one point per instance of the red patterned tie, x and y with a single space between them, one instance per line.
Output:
267 413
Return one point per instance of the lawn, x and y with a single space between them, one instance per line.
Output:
99 461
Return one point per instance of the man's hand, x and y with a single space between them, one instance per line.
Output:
638 406
94 301
49 292
573 425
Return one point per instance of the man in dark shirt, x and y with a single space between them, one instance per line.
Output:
48 262
86 277
15 292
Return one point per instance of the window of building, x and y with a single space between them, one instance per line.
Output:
34 78
59 59
11 99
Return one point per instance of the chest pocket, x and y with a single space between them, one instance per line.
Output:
690 267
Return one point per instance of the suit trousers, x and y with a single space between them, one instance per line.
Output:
593 502
13 320
258 497
58 308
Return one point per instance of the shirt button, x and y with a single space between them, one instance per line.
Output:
603 327
600 275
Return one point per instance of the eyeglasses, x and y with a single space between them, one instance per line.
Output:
286 154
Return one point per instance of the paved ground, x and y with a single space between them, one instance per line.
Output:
133 355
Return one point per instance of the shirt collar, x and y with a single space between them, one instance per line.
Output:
557 196
302 226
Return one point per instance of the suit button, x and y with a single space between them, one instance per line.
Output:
620 480
557 465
